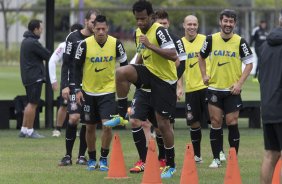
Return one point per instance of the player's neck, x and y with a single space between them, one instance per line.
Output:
226 36
190 37
85 32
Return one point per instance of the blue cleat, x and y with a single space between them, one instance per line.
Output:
168 172
91 165
115 121
103 164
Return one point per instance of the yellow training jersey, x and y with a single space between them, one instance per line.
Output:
156 64
226 65
99 67
192 74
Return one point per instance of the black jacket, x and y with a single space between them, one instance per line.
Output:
270 77
32 55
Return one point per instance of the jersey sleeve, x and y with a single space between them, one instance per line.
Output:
164 39
121 56
245 52
79 59
206 48
55 59
67 60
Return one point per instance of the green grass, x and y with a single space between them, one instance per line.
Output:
35 161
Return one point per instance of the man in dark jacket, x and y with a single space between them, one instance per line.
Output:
32 54
270 78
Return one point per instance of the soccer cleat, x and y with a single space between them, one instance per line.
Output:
56 133
168 172
91 165
81 160
22 135
66 161
115 121
215 163
139 166
198 160
222 157
103 164
35 135
162 163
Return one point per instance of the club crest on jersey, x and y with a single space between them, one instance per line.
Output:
214 98
101 59
224 53
73 106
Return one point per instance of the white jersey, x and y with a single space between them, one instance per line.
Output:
56 58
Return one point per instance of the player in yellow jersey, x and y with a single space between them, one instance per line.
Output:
96 59
225 79
195 89
156 49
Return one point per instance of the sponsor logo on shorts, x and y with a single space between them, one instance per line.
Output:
189 116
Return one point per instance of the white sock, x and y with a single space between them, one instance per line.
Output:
29 131
24 130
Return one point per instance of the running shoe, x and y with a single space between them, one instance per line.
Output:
168 172
115 121
66 161
138 167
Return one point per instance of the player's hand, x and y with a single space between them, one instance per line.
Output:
144 40
79 98
179 93
206 80
55 86
66 93
236 89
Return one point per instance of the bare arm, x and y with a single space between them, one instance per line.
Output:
202 65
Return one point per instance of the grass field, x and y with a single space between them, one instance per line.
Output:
35 161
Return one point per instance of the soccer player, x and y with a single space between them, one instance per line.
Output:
96 58
141 109
32 54
57 58
227 51
68 93
156 49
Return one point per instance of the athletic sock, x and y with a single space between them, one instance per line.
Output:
215 141
29 131
122 107
161 147
70 137
234 137
24 130
140 142
196 137
221 139
92 155
82 139
104 153
170 154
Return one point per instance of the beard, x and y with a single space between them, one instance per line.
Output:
227 29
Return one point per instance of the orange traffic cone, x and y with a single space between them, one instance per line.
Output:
232 174
189 174
117 165
152 168
276 174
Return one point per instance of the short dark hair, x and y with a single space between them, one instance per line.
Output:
101 19
161 14
90 12
76 26
33 24
228 13
142 5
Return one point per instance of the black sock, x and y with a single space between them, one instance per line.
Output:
104 153
82 143
140 142
122 107
92 155
70 137
221 139
169 152
234 137
160 143
58 128
196 137
215 142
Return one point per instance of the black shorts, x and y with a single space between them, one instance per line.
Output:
196 106
97 108
73 107
225 100
272 136
33 92
141 108
163 95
